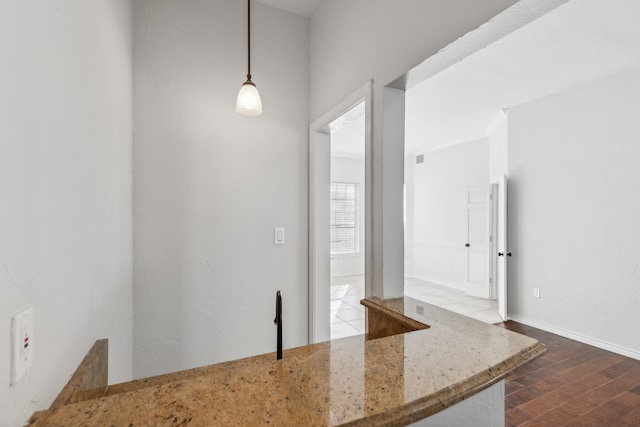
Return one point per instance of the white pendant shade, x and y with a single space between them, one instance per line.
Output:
249 102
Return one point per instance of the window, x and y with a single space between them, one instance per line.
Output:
345 236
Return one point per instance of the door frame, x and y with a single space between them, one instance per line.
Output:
319 179
501 262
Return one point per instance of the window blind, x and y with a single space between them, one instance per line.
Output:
345 237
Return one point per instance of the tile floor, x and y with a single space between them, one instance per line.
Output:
452 299
347 315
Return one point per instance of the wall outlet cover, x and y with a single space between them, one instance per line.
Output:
22 344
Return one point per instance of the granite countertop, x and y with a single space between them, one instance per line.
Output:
390 381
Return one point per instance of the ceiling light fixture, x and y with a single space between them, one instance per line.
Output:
249 102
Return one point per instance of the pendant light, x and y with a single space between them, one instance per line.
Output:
248 102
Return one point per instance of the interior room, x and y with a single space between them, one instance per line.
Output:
436 228
480 102
138 206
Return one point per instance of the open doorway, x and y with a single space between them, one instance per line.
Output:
346 223
454 220
450 229
339 212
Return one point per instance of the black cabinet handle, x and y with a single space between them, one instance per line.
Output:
466 245
508 253
500 253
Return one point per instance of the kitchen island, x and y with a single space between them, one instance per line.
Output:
417 361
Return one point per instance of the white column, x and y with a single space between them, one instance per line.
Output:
388 181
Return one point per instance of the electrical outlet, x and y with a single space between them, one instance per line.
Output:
536 293
22 344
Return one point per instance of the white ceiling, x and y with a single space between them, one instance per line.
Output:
575 43
299 7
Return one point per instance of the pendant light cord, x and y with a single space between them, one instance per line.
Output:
249 40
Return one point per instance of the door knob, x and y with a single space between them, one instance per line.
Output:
466 245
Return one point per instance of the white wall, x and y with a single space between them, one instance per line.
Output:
65 190
437 195
498 149
409 177
355 41
212 184
574 211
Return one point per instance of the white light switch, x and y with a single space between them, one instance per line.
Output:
22 344
278 236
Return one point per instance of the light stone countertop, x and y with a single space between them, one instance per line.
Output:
390 381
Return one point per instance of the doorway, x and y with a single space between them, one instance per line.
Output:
346 223
450 229
339 212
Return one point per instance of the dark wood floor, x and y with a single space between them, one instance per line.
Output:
573 384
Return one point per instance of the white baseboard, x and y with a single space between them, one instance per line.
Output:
634 354
441 283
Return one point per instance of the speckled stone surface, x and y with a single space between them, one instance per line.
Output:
383 321
390 381
89 381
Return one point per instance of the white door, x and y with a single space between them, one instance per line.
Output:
478 244
501 240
